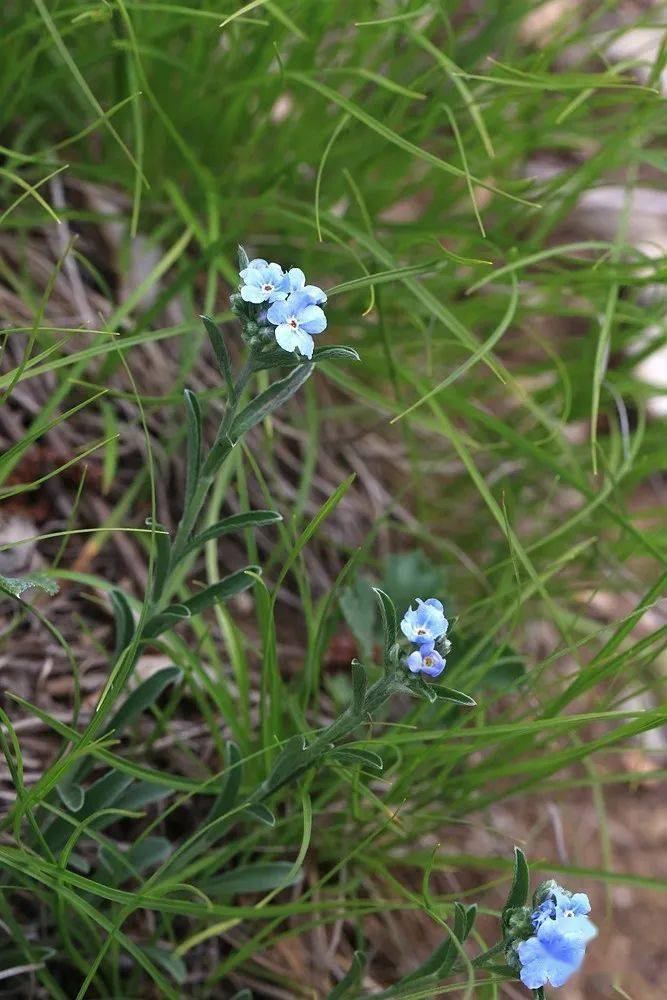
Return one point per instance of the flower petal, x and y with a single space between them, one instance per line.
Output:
436 666
315 294
258 263
299 301
414 662
286 336
278 312
297 279
306 343
251 293
252 276
312 319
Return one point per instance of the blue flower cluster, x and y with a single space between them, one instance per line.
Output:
424 626
294 308
557 948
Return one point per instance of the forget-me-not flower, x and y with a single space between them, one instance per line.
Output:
557 948
562 902
427 659
263 282
297 283
425 623
296 320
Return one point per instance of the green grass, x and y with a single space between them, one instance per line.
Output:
514 453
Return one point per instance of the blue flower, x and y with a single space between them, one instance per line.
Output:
427 659
296 320
562 931
263 282
563 903
425 623
297 283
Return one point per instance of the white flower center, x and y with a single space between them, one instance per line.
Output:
569 913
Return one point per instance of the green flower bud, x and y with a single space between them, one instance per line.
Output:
518 924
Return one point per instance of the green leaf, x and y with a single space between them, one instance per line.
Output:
124 620
17 585
219 346
416 685
351 980
236 522
148 853
262 813
244 994
359 686
171 963
71 794
171 615
227 797
518 893
285 359
138 795
261 877
269 400
244 260
162 555
193 448
389 619
355 755
295 758
230 585
102 793
145 695
451 694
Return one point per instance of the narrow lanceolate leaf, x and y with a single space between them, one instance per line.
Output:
193 454
219 346
226 800
451 694
284 359
464 918
244 260
237 522
17 585
359 686
269 400
261 877
518 893
262 813
145 695
162 555
171 616
355 755
70 793
233 584
348 987
389 619
124 620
